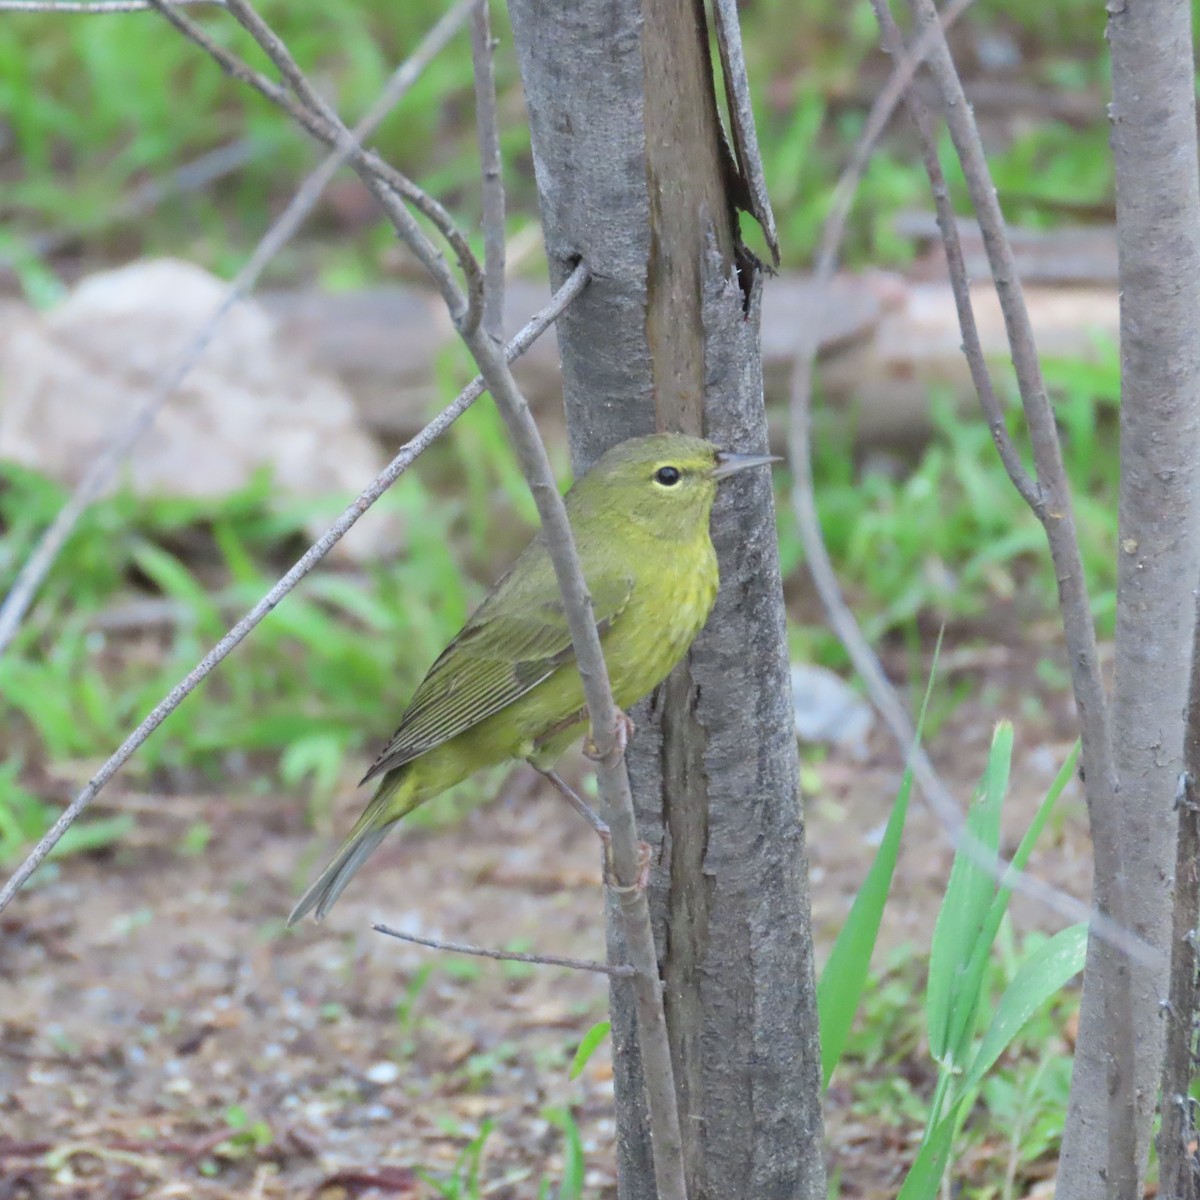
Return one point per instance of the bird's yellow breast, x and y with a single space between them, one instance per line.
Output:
668 607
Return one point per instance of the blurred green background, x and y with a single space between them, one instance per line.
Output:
93 109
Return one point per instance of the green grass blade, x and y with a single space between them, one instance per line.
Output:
1025 849
1044 972
574 1160
587 1047
844 977
1000 901
953 993
924 1177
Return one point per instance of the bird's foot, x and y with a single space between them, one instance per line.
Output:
645 855
622 733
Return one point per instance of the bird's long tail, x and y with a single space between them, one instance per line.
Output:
380 815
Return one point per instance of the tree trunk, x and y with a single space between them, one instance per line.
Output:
634 176
1158 229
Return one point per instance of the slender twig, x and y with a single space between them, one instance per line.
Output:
106 464
143 199
842 619
1055 512
616 800
816 554
607 723
1054 508
516 347
389 186
956 264
99 7
621 970
488 124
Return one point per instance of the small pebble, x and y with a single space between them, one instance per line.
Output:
383 1072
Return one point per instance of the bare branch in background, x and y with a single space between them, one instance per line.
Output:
515 348
1153 138
607 722
1052 505
389 186
1052 500
804 504
619 970
106 464
487 121
192 176
841 618
99 7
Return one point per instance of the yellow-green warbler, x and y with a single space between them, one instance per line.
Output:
507 686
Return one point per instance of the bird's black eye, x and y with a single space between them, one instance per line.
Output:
667 476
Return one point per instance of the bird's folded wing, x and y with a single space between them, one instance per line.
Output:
516 639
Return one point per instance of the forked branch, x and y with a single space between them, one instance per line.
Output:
108 461
407 456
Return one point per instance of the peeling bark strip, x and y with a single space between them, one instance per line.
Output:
632 176
1158 247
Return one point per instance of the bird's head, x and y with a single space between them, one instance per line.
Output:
664 483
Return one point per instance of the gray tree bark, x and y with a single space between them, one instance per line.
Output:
1158 228
634 176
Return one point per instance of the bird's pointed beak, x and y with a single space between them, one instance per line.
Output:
730 464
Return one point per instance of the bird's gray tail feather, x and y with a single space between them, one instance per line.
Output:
354 852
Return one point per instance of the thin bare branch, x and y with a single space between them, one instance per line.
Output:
842 619
959 283
657 1068
99 7
106 464
804 505
144 198
487 122
620 970
389 186
519 344
616 800
1054 510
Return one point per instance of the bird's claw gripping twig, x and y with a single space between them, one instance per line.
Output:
623 731
645 855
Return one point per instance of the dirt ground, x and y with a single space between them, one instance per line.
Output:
162 1036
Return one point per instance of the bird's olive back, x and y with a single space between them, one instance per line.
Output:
660 486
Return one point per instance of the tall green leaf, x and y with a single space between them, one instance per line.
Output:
840 988
844 977
1041 975
978 965
952 997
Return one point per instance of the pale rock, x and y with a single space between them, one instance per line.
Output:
71 376
827 709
